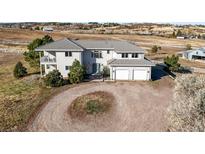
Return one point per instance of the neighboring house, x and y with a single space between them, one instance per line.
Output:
182 37
194 54
125 60
47 29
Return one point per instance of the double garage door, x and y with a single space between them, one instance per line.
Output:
131 74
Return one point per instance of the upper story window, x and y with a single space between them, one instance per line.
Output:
68 54
124 55
96 54
134 55
108 51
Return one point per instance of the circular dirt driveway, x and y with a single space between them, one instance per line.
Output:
139 106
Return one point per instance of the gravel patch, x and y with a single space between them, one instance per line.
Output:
140 106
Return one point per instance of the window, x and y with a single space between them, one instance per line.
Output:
47 66
124 55
134 55
92 54
67 67
68 54
97 54
108 51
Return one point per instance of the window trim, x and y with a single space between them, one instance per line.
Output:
67 67
68 54
98 53
135 55
124 55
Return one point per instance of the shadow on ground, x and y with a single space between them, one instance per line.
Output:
158 73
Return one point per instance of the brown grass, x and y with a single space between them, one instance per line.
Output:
94 103
189 63
20 99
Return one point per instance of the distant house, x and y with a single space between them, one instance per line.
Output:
194 54
181 37
47 29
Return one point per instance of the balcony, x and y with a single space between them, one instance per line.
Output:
48 60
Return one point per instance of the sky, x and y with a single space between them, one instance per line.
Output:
102 11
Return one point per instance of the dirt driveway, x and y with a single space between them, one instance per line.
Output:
140 106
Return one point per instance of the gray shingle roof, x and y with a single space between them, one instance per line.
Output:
118 46
130 62
79 45
60 45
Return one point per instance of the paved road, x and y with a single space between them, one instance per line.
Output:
139 107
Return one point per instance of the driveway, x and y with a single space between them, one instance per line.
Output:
140 106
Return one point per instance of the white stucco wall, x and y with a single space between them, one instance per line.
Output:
63 61
51 68
119 56
88 60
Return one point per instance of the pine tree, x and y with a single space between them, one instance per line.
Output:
19 70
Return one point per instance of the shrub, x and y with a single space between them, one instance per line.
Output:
37 28
19 70
172 63
188 47
77 72
54 79
187 111
155 48
93 107
106 71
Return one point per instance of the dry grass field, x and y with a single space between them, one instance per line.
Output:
19 99
142 40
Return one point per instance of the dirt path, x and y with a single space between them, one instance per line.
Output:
139 107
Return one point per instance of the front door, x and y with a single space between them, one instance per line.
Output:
96 68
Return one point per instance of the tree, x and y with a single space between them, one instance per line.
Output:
33 57
179 33
46 39
54 79
187 111
173 34
155 48
34 44
19 70
172 63
37 28
77 72
188 47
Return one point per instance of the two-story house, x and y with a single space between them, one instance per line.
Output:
125 60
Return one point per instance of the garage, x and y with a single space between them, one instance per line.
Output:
130 69
122 74
140 74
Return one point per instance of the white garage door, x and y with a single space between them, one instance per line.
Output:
140 75
122 74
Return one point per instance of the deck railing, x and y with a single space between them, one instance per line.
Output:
47 59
